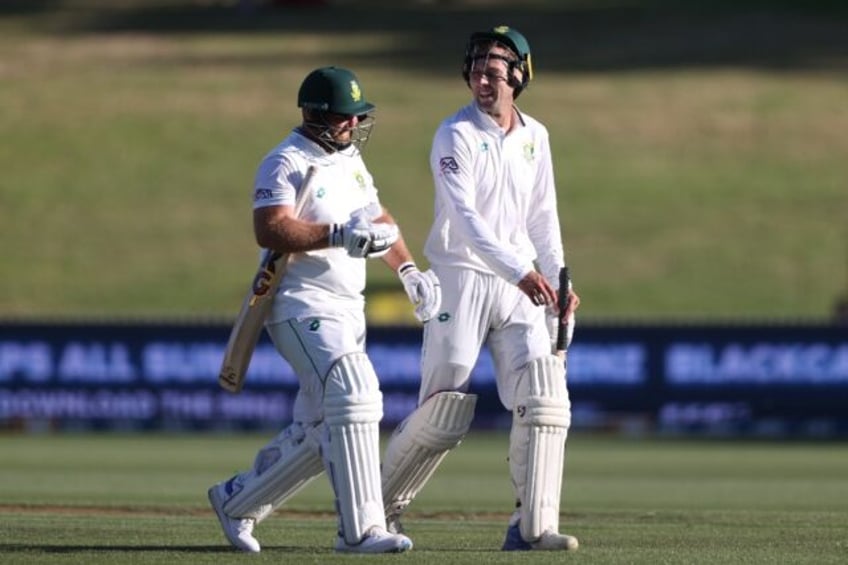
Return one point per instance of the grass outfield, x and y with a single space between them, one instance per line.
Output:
699 147
141 499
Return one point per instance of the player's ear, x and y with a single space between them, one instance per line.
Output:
517 75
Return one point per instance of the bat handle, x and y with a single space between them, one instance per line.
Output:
564 283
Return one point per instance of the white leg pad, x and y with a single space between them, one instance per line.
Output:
541 418
353 408
420 443
284 466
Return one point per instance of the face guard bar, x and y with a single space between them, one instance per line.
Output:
329 134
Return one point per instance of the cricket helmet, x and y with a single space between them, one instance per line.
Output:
333 89
509 38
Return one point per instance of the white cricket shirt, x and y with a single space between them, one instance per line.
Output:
495 199
324 281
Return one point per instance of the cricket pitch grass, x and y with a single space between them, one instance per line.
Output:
87 498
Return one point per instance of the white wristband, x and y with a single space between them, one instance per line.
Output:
405 268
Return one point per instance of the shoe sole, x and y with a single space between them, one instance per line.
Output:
373 549
514 542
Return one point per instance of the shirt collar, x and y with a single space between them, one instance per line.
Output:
309 145
485 122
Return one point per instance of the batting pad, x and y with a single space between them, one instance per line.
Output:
353 408
284 466
420 443
541 418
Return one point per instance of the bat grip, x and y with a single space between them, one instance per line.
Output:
563 298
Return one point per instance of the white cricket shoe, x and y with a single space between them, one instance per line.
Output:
554 541
393 524
239 531
376 540
548 541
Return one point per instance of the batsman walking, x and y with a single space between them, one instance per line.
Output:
496 247
317 319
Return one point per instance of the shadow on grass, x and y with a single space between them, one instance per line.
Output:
565 36
70 549
194 549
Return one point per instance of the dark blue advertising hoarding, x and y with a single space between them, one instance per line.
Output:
729 379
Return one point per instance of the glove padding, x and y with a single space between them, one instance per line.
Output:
362 237
552 319
423 289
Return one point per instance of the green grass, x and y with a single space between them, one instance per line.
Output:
699 151
141 499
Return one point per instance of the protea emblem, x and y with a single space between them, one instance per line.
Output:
529 152
355 93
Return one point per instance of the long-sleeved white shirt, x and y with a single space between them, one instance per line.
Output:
495 198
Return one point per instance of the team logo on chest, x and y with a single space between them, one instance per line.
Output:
529 152
360 180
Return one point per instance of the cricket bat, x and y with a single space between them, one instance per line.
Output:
256 305
564 300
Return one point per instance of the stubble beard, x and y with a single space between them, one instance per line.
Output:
492 106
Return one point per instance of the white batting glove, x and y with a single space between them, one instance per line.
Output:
380 242
363 238
423 289
367 213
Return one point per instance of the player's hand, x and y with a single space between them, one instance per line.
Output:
423 289
538 289
367 213
380 242
363 238
552 320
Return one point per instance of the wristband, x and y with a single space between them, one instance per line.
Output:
336 238
406 268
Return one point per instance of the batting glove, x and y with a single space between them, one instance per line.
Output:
363 238
383 236
423 289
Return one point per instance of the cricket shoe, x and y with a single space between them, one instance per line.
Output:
376 540
239 531
393 524
548 541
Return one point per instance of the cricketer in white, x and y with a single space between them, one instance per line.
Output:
317 321
495 223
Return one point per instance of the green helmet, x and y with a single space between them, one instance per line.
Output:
513 40
333 89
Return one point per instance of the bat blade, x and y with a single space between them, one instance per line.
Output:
250 321
256 306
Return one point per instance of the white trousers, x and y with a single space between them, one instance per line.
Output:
480 308
311 346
